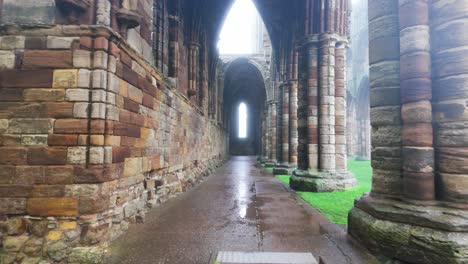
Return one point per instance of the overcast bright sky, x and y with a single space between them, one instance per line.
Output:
237 31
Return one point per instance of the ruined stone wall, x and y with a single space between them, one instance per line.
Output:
91 135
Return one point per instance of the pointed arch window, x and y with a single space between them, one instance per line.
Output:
242 118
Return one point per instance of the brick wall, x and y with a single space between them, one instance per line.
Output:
90 136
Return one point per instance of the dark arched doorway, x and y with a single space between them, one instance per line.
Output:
244 83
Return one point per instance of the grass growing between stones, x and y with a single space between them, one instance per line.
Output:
336 205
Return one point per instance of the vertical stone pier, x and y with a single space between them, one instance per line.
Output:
326 169
323 51
417 210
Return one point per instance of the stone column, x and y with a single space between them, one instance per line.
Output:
416 95
327 105
293 133
418 98
273 132
449 45
283 168
340 108
271 121
285 127
322 173
312 105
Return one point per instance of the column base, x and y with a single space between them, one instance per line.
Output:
283 169
262 160
317 181
410 233
270 163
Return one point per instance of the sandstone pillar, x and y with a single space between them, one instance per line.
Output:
322 173
418 108
340 108
312 106
293 133
283 166
271 127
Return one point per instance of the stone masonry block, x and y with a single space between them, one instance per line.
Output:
64 206
98 110
84 77
77 95
30 126
80 110
99 79
100 60
54 42
65 79
12 42
96 155
135 94
82 59
76 155
49 59
7 59
43 95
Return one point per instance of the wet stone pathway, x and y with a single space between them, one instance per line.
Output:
240 207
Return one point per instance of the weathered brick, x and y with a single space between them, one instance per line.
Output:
26 78
7 59
71 126
54 42
11 95
43 95
62 140
100 60
101 43
130 76
47 59
93 205
12 206
65 78
64 206
59 174
77 155
12 42
82 59
86 42
97 173
35 42
29 175
126 130
47 156
148 101
131 105
99 79
15 191
33 140
77 95
12 156
81 110
112 140
48 191
119 154
59 109
7 174
96 155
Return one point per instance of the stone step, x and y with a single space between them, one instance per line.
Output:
234 257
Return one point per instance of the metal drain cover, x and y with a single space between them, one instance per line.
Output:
232 257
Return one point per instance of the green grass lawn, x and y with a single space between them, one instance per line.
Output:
336 205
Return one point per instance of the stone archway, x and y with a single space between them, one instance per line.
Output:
244 83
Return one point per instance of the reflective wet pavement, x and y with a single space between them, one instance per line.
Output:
239 208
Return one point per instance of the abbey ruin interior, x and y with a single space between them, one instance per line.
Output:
127 137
